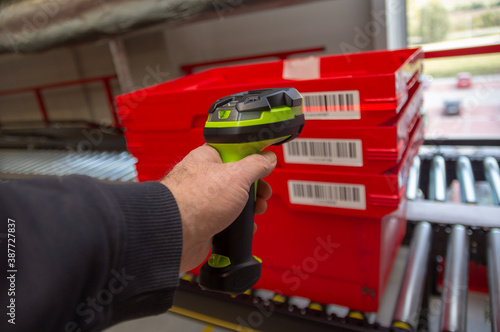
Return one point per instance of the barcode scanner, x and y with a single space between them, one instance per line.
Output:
240 125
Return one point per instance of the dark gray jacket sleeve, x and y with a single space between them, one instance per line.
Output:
87 254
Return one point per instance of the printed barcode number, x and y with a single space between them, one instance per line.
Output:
331 105
339 152
349 196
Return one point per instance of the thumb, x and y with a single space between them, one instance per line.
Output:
257 166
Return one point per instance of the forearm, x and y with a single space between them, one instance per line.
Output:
90 254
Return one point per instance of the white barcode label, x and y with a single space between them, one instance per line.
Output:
349 196
341 152
331 105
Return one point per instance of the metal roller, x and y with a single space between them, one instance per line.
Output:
466 180
300 302
411 293
437 185
492 174
493 254
455 282
456 274
413 180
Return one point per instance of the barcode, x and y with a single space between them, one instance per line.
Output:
350 196
331 105
324 152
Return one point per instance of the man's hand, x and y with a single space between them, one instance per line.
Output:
211 195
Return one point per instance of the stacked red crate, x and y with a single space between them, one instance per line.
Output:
336 218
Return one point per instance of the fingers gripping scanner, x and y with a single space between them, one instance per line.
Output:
240 125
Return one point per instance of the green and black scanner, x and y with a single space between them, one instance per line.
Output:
240 125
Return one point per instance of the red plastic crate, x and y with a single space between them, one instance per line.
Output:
382 79
365 195
322 146
383 192
155 156
333 259
378 148
337 259
165 122
333 255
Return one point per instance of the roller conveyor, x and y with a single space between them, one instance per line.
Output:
460 232
410 297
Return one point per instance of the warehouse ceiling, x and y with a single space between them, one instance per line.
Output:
37 25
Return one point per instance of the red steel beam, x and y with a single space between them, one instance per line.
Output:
41 105
56 85
111 102
188 68
463 51
37 91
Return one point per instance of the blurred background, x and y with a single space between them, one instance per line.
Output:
59 72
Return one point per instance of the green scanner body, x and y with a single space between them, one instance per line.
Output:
240 125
